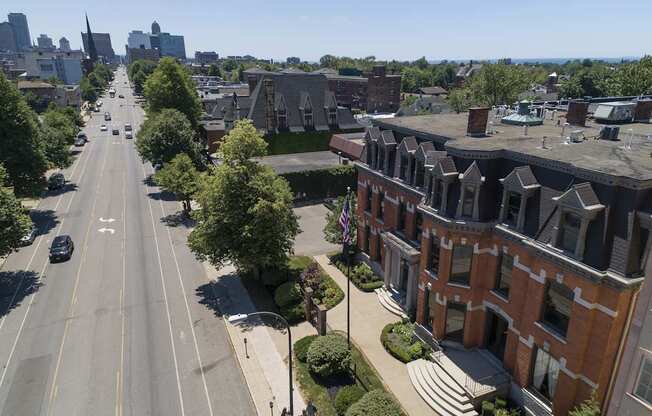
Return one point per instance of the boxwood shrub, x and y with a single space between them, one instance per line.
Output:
287 294
301 347
329 355
346 396
376 403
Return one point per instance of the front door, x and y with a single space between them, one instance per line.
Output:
405 270
455 313
496 335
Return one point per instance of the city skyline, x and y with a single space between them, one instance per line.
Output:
478 32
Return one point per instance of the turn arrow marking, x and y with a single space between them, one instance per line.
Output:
104 230
107 220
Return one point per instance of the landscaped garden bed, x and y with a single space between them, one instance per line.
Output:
399 340
339 381
289 284
361 274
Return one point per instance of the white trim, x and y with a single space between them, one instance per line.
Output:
549 332
392 200
491 250
588 305
529 342
362 184
445 245
541 277
471 308
460 285
497 309
571 374
439 299
409 207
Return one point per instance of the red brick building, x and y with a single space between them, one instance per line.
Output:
522 242
375 92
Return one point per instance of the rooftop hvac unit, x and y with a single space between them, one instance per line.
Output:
609 133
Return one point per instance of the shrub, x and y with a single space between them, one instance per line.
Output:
322 183
329 355
398 340
275 276
287 294
346 396
301 347
371 286
376 403
293 313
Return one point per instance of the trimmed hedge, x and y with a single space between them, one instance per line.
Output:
361 274
398 340
329 355
346 396
322 183
287 294
301 347
286 142
376 403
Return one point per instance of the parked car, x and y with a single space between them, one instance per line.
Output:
79 142
81 135
107 116
56 181
103 127
127 127
96 110
61 248
128 135
28 238
115 132
121 96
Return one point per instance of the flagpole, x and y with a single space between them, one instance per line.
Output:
348 274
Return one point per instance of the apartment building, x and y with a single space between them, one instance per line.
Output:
524 235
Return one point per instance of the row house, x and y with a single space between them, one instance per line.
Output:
523 242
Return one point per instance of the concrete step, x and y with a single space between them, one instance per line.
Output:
388 303
442 400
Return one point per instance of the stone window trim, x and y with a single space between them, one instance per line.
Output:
446 179
570 202
513 183
635 381
471 178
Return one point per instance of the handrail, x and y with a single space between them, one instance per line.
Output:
476 387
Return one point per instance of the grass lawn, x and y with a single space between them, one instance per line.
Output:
313 389
285 143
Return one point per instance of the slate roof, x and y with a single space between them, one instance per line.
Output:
410 144
446 165
224 107
432 156
387 137
581 193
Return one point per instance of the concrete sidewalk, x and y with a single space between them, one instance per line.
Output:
368 318
263 365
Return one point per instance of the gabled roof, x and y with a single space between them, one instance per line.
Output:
520 178
330 101
387 138
372 134
409 144
305 102
423 149
472 174
445 167
581 197
432 156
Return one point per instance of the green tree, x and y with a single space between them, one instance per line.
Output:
88 91
333 229
214 71
170 86
499 84
58 132
590 407
14 222
138 71
459 99
21 151
634 78
166 134
229 65
246 215
36 102
179 177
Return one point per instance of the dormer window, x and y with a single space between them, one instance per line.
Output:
332 116
469 203
282 119
437 193
569 231
443 174
513 208
307 118
403 168
419 175
405 159
518 186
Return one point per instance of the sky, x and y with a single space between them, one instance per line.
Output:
403 30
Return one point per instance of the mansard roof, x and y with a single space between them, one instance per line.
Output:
520 178
472 174
580 197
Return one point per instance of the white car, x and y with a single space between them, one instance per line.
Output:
103 127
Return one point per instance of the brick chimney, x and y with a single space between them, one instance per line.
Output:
577 110
478 117
270 114
643 110
379 70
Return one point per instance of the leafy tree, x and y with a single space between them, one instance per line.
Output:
54 81
329 355
14 222
138 71
634 78
21 151
459 99
179 177
333 229
166 134
170 86
377 403
246 215
229 65
88 91
214 71
58 132
499 84
590 407
36 102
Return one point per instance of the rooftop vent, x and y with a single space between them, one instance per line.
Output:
522 117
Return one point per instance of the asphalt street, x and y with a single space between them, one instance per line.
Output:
122 328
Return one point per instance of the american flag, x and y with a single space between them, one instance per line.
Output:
345 221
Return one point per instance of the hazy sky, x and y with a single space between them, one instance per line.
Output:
386 29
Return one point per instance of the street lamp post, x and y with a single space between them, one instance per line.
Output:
235 319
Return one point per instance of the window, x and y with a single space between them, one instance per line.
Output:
644 384
504 278
438 193
282 120
332 116
569 231
401 217
47 68
545 374
381 206
381 158
369 198
418 227
404 165
513 208
461 264
557 307
455 313
419 174
469 199
367 236
433 259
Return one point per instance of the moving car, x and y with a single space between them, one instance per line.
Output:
61 248
56 181
128 135
121 96
115 132
127 127
103 127
28 238
107 116
96 110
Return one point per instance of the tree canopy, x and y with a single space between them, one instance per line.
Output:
497 84
179 177
21 151
58 132
170 86
14 222
333 229
166 134
246 215
138 71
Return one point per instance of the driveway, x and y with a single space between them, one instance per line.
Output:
310 241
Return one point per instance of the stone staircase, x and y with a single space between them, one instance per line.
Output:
387 300
438 389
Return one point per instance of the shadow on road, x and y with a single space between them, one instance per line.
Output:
162 196
149 181
44 220
68 187
177 219
16 286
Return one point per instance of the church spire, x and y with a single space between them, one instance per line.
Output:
92 52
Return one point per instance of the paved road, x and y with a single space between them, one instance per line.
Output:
119 329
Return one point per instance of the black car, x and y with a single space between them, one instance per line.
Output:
115 132
56 181
61 248
121 96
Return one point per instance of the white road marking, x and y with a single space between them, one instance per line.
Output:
109 220
106 230
118 393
